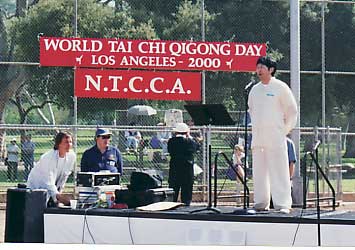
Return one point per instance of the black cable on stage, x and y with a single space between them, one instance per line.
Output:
224 182
86 224
300 217
83 232
129 228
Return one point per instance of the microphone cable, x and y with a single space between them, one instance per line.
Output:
302 210
225 180
129 227
86 225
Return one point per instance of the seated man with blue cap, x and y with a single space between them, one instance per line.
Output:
102 156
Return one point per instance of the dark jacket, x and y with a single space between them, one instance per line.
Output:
94 161
181 152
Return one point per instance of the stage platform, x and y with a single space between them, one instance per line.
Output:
181 227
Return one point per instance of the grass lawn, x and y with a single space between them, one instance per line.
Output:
348 185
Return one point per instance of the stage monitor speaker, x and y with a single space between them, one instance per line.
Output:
24 215
146 179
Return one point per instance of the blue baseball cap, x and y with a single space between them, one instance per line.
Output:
102 131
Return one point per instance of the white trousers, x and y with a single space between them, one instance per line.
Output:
271 175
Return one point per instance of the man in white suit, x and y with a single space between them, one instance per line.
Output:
273 112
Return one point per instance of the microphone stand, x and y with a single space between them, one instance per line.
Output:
245 204
315 158
246 92
317 192
209 205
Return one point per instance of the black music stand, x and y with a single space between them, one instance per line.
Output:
209 114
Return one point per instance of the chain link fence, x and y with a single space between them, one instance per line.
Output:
151 153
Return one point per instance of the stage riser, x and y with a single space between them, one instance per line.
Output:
189 232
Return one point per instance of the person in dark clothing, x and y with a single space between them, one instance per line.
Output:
27 152
102 156
181 149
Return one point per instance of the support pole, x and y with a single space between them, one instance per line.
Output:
295 86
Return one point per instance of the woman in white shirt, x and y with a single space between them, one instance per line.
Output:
53 169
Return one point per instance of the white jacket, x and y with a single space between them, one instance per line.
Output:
273 113
47 175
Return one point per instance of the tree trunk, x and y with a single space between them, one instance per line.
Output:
39 111
5 95
11 76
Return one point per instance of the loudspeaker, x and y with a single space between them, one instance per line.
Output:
135 199
24 215
146 179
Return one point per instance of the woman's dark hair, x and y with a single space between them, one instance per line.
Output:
268 62
59 137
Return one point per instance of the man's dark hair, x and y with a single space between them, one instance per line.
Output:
268 62
59 137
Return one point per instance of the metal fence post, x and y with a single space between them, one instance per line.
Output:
339 161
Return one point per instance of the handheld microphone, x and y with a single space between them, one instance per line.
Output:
250 84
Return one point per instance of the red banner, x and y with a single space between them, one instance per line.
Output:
134 84
150 54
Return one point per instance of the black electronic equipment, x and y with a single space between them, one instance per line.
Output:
146 179
135 199
24 215
91 179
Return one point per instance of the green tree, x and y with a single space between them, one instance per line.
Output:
158 11
186 22
11 77
340 40
173 20
55 18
